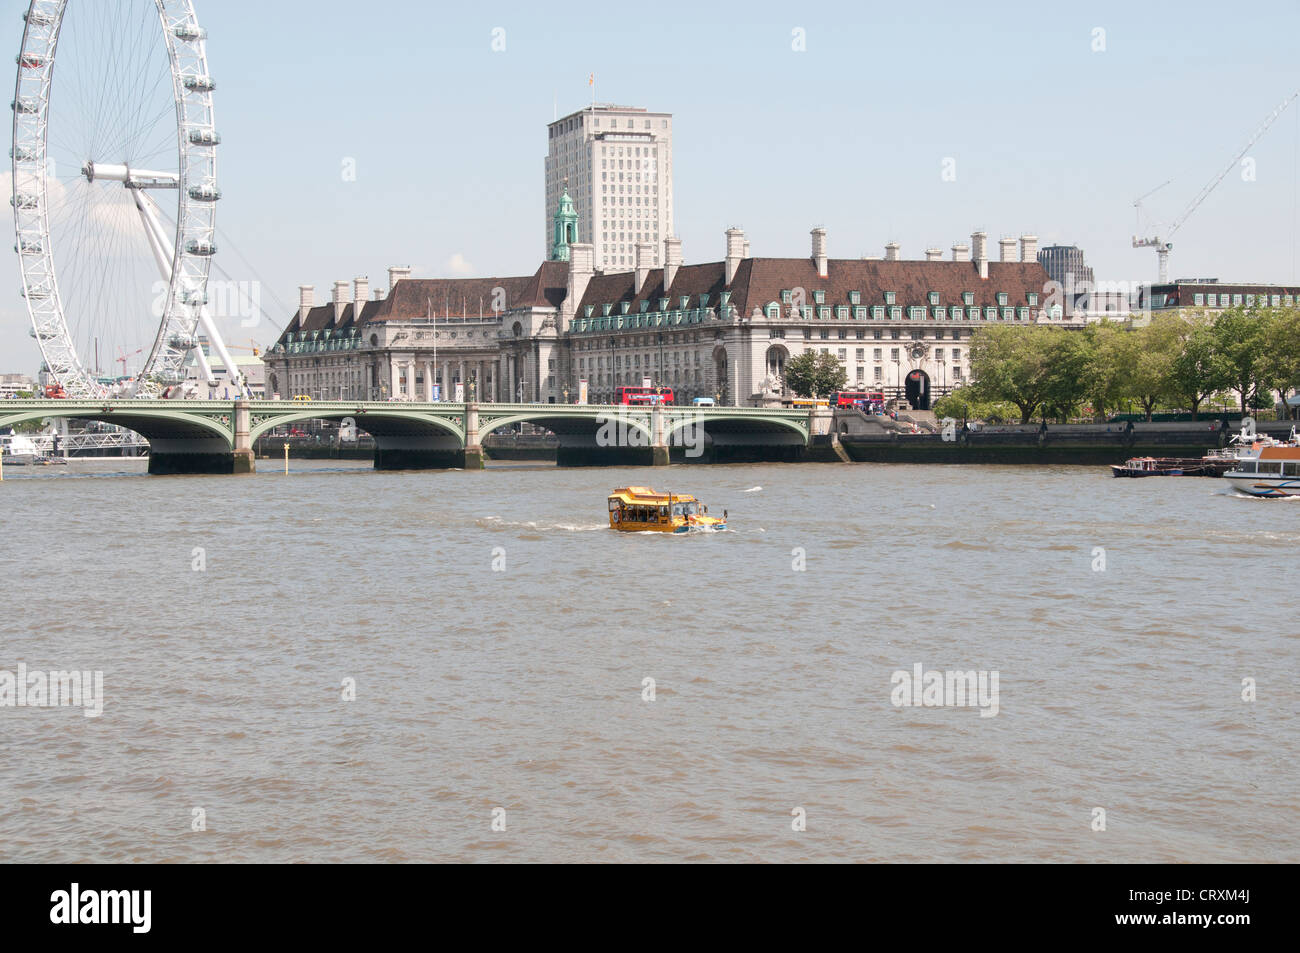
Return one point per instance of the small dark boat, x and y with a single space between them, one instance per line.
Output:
1160 466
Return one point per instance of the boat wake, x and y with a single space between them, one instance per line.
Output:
752 489
498 525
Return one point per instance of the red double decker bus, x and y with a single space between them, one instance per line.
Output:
644 395
868 400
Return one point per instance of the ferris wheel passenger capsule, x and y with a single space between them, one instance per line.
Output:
30 60
189 32
24 200
199 84
38 17
196 247
25 106
203 193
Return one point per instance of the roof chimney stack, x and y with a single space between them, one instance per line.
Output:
582 265
980 249
306 299
735 251
934 254
1006 249
819 250
746 247
672 260
395 274
644 254
961 252
360 292
340 299
891 251
1029 248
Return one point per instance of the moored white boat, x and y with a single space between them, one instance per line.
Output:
1270 469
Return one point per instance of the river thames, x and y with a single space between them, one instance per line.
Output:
499 637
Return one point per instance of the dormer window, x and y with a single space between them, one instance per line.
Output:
819 297
663 304
684 302
889 297
968 298
855 297
606 308
645 305
934 298
785 296
1032 298
588 310
1002 299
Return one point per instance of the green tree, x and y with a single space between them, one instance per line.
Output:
1281 360
1195 372
1069 354
1012 364
1154 349
964 404
814 374
1239 351
1108 366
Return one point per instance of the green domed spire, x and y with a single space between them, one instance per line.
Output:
566 228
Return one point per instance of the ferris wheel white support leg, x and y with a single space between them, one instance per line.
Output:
154 233
158 243
214 336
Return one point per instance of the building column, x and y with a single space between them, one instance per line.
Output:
428 381
447 392
395 389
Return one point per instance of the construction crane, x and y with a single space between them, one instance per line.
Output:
1163 245
124 357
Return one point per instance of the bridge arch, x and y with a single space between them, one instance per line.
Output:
571 424
376 423
153 424
794 430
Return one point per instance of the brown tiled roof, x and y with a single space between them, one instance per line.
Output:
290 328
469 297
760 281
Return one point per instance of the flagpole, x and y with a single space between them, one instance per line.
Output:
434 372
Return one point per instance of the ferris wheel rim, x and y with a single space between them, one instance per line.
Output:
197 193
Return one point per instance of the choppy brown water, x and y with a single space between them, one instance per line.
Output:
522 689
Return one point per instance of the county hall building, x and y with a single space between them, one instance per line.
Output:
723 329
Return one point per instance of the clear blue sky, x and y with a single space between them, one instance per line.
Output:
448 136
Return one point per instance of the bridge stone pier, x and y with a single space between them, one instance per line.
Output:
199 436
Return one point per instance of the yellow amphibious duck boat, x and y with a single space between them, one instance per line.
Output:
638 509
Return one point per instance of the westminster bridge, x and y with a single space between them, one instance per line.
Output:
211 436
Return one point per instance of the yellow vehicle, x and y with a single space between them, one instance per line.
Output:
639 509
810 402
300 398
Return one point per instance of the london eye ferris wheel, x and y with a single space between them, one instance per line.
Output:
114 189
